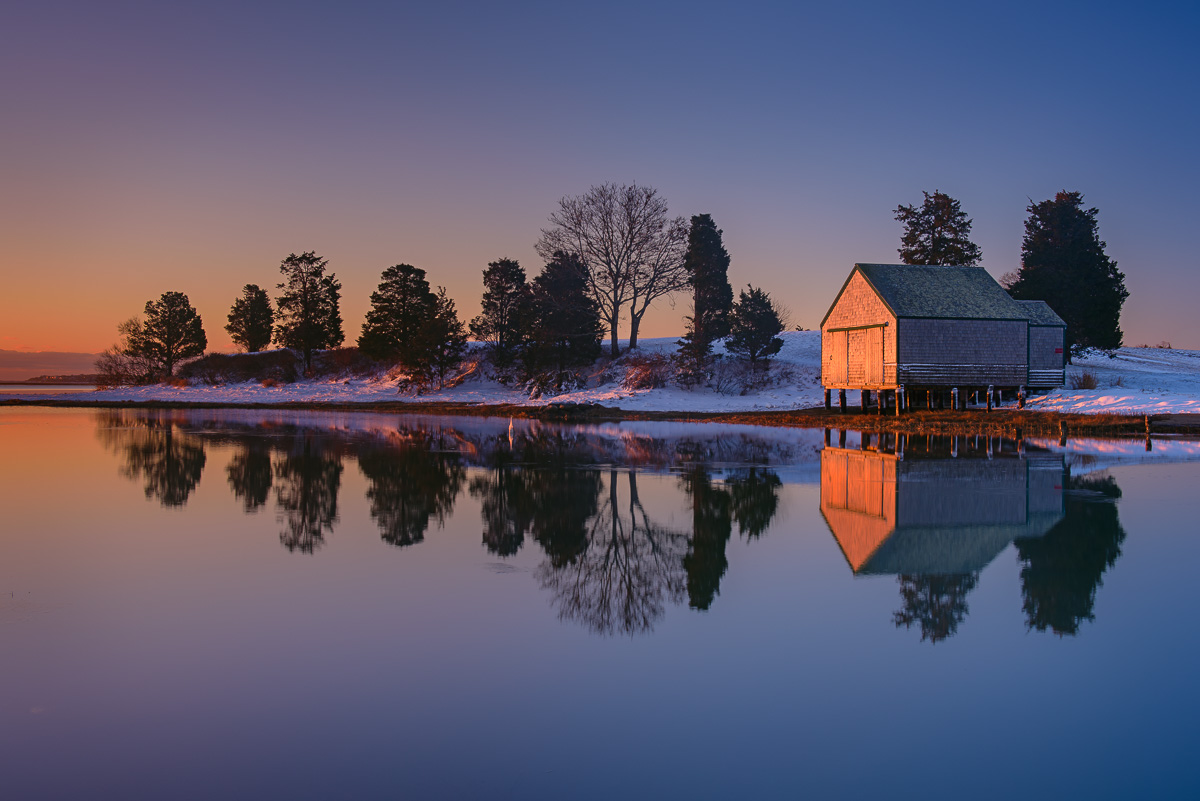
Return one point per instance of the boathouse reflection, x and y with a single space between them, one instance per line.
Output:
934 511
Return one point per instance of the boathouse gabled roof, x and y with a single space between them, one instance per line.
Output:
1040 313
963 293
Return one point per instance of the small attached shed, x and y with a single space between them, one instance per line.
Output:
895 325
1047 345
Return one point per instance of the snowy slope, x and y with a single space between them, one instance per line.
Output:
1135 381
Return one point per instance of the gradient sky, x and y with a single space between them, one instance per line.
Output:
149 147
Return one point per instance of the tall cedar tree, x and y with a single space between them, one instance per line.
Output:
707 265
1063 263
171 331
937 233
505 306
251 319
308 317
445 339
565 327
754 326
401 309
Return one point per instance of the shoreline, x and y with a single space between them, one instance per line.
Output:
998 422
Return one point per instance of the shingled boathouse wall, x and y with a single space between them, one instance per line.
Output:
932 328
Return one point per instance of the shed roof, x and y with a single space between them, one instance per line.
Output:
947 292
1040 313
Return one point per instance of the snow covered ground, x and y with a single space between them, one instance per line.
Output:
1135 381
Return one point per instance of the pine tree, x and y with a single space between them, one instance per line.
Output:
445 339
171 331
707 265
565 327
401 309
308 317
754 326
1063 263
937 233
251 319
503 321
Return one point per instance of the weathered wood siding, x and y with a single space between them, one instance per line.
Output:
1046 357
962 352
858 340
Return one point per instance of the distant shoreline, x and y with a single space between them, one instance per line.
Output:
999 422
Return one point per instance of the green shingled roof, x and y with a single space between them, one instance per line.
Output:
955 292
1040 313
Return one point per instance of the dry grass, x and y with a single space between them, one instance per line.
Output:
647 371
1085 380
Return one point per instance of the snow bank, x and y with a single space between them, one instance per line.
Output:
1135 381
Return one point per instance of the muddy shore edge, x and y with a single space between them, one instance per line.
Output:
998 422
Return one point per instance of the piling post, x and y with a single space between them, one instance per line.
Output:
1062 432
828 437
841 401
989 398
864 399
1021 397
841 437
954 398
900 399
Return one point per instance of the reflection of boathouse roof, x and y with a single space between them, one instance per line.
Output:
936 516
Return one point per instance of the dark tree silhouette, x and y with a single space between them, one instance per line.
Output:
508 507
937 233
154 451
712 526
401 309
620 582
170 332
307 480
1063 263
250 475
564 327
503 321
936 603
564 500
754 493
412 481
632 251
251 319
754 327
1061 571
707 266
308 315
445 339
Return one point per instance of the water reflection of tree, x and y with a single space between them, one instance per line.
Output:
1061 571
410 483
937 603
507 506
307 480
167 461
250 474
627 569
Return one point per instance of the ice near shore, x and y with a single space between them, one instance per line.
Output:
1133 381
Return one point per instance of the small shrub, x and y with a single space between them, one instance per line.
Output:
223 368
646 371
271 383
1119 381
1085 380
177 382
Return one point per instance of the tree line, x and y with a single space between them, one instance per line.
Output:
610 254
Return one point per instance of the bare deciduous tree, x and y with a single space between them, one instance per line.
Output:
633 251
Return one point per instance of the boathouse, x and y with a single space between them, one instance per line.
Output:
924 511
895 327
1047 345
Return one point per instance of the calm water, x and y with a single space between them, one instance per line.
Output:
224 604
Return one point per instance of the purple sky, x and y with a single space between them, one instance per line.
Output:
149 147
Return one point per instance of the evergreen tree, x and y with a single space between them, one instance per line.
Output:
937 233
308 317
707 266
171 331
1063 263
401 310
445 339
565 327
754 326
251 319
503 321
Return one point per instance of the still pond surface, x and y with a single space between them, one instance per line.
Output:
250 604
